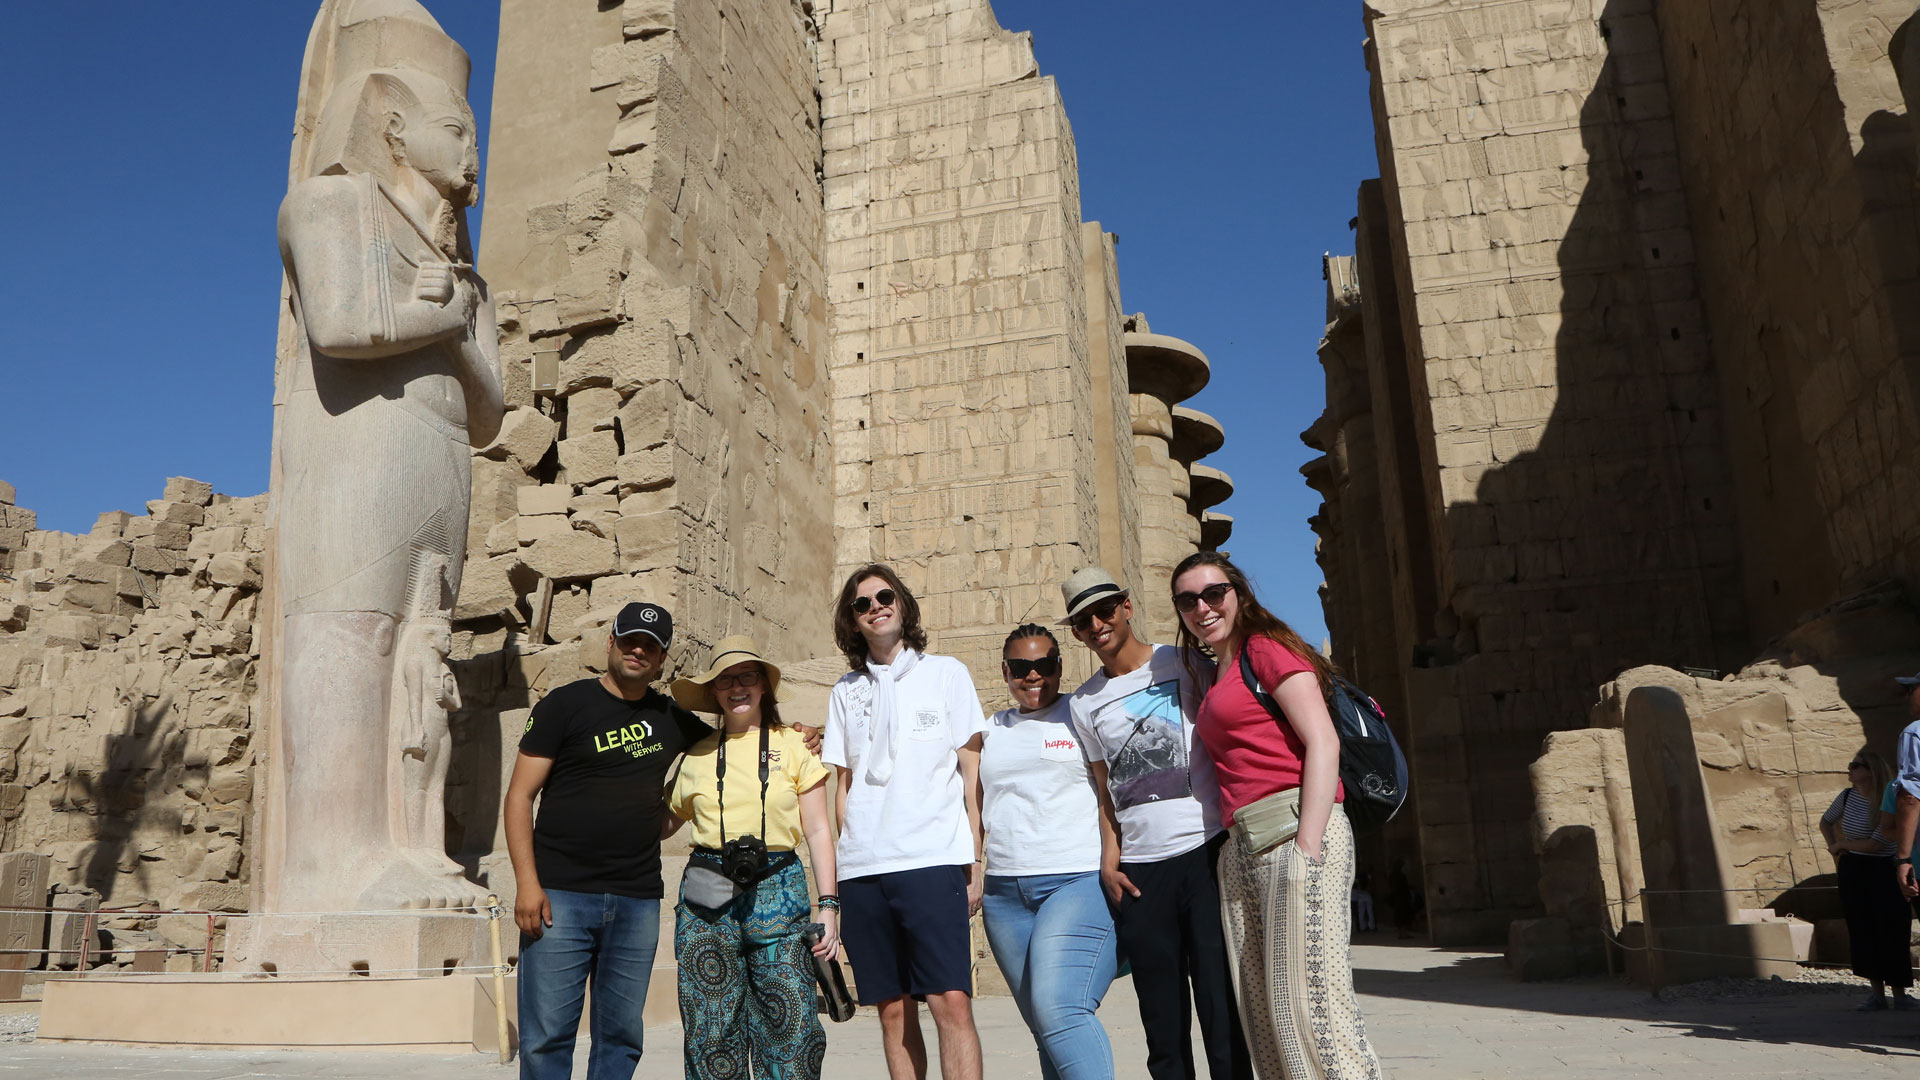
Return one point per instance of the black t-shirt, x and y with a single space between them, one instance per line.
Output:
599 824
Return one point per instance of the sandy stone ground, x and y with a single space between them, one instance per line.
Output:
1434 1015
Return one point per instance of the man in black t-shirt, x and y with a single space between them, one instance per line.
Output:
597 753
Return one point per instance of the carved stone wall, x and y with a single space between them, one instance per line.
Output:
963 400
1577 489
126 680
1800 167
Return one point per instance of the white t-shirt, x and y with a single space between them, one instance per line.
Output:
919 817
1158 775
1038 805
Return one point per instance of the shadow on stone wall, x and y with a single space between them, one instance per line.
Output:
1592 531
121 800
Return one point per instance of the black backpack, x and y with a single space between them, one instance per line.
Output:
1372 768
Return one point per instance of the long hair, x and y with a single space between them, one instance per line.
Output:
846 628
1251 620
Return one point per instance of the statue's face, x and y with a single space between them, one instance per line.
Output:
441 146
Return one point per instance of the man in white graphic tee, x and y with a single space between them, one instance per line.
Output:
903 733
1159 830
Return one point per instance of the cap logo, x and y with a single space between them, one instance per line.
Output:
649 615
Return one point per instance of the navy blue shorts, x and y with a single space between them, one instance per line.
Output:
907 933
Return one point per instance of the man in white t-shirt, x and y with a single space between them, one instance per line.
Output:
903 732
1159 823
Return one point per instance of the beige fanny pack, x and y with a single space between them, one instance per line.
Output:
1267 823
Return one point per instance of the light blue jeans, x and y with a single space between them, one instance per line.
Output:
610 939
1052 935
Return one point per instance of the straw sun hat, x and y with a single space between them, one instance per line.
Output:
697 693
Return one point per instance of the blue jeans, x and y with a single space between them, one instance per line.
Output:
1052 935
609 939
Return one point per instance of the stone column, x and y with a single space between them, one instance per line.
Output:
1162 371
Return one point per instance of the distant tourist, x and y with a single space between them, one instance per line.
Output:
904 732
1879 919
751 790
596 752
1159 830
1047 920
1403 899
1286 872
1362 902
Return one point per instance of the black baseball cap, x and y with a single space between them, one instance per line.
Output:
644 618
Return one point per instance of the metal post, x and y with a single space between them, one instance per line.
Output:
206 962
494 914
86 945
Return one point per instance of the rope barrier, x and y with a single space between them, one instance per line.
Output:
228 976
146 912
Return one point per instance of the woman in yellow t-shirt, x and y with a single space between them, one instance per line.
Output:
751 791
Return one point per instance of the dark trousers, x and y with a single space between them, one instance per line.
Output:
1878 918
1171 935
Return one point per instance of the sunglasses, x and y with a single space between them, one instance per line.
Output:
728 682
1105 610
1856 764
1046 667
1213 596
863 604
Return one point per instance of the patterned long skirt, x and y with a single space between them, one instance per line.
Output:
746 984
1287 935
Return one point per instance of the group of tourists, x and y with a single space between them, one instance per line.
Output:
1159 819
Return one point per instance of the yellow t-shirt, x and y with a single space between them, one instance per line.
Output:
791 769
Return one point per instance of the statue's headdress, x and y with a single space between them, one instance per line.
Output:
361 55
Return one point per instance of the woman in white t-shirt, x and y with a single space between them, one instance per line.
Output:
1047 919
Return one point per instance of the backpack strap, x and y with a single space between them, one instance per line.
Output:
1259 693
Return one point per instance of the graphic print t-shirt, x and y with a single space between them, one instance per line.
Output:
598 829
1160 779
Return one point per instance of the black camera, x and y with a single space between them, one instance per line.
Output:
743 859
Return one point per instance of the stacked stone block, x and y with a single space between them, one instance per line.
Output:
662 327
963 413
653 229
126 680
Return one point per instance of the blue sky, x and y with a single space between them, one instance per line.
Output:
148 151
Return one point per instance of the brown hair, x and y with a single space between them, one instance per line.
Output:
846 628
1252 619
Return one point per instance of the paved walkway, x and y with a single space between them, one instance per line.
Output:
1433 1016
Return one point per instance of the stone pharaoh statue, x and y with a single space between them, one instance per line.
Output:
393 377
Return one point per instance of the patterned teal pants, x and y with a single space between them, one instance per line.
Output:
746 984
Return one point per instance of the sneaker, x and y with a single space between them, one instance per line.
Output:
1874 1003
1905 1003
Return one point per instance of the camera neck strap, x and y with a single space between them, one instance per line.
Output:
720 782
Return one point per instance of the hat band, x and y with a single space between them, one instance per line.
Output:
1086 595
713 670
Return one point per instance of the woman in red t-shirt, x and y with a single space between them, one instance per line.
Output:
1283 893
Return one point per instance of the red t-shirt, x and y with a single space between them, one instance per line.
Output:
1253 755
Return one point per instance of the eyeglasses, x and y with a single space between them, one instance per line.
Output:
1046 667
744 678
1105 610
863 604
1856 764
1213 596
